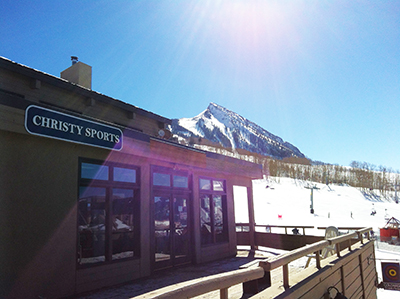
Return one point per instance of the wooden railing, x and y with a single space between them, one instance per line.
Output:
284 260
225 280
244 227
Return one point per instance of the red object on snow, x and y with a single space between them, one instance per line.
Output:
390 230
280 216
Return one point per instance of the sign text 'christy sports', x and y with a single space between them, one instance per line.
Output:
53 124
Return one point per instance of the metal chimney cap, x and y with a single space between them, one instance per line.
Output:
74 59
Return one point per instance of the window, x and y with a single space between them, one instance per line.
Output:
171 216
161 179
108 213
213 211
164 177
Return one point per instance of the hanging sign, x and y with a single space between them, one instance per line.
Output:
390 272
53 124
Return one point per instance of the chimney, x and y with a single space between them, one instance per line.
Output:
74 59
79 73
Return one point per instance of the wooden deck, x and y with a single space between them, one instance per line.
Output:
351 271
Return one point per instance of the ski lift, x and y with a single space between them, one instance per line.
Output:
387 217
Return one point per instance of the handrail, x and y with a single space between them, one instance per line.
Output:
277 226
207 284
342 227
225 280
283 226
284 260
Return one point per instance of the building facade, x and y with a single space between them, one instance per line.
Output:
93 193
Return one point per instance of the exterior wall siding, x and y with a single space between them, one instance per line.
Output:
39 184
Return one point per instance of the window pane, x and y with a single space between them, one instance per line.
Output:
161 179
124 175
218 185
181 235
91 225
219 226
180 181
162 228
123 223
205 184
94 171
205 220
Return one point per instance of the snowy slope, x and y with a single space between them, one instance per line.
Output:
231 130
334 205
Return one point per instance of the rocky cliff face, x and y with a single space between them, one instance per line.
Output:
231 130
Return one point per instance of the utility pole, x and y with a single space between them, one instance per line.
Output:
312 197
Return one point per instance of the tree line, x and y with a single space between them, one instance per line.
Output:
358 174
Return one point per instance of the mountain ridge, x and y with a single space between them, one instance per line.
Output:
231 130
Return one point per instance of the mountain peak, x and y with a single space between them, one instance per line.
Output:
231 130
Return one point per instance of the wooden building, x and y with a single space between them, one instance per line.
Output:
93 194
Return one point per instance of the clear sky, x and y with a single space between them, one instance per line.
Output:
322 75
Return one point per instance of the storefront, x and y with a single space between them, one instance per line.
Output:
93 194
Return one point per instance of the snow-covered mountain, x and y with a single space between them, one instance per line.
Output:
229 129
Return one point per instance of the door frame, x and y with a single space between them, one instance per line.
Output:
171 192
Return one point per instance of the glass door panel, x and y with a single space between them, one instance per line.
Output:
205 220
181 232
218 218
123 227
162 228
91 225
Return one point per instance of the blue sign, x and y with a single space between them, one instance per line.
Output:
53 124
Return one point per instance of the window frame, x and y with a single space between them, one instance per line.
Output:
171 192
171 172
110 186
211 193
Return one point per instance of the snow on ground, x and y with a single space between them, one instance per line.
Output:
284 201
333 205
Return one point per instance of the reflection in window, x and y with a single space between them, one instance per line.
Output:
218 218
94 171
180 181
162 228
205 184
218 185
124 175
108 217
181 240
91 224
213 212
205 220
161 179
123 223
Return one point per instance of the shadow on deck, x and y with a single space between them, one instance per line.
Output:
172 276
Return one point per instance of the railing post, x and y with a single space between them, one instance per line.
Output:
285 269
318 260
360 237
337 246
223 293
252 224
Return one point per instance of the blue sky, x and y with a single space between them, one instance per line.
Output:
322 75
